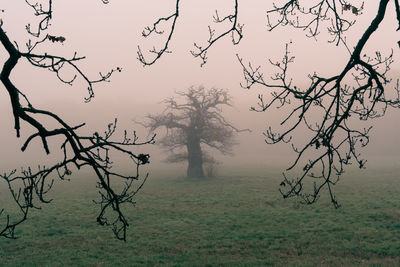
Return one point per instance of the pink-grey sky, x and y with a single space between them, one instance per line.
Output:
108 35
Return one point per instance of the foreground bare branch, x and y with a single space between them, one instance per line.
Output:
333 139
154 30
29 188
236 32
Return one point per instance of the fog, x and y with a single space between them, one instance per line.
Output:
109 36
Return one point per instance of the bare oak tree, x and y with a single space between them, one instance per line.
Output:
193 126
29 188
361 89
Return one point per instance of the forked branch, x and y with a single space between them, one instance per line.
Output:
332 139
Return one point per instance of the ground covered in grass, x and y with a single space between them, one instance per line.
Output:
224 221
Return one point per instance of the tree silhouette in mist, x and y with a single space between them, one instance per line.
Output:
194 125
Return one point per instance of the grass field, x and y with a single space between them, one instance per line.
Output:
224 221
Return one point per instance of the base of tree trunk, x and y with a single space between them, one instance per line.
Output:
195 172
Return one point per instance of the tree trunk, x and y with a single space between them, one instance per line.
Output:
195 157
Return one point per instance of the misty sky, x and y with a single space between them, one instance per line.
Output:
108 35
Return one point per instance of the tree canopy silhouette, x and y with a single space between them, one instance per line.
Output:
194 125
